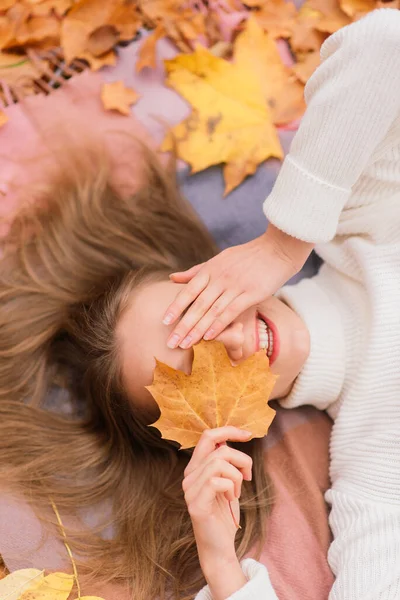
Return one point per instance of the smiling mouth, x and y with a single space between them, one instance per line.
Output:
267 338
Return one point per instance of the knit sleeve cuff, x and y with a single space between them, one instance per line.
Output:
321 379
258 585
304 206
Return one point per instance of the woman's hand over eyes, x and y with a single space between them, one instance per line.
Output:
231 282
212 487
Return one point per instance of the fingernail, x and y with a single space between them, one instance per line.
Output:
246 433
168 319
186 342
173 341
208 335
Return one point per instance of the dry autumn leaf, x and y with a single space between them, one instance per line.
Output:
277 17
231 122
213 395
147 50
56 586
353 8
257 52
116 96
16 583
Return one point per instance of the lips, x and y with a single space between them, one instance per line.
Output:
267 337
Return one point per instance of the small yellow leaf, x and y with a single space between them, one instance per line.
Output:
89 598
56 586
231 123
3 118
14 584
215 394
115 96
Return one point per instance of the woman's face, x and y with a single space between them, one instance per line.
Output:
272 326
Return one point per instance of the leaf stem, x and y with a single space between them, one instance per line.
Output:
75 570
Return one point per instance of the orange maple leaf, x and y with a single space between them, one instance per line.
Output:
147 50
277 17
116 96
215 394
231 122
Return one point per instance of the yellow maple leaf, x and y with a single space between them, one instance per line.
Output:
215 394
354 8
14 584
257 51
116 96
56 586
231 123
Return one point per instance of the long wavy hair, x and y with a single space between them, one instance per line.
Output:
72 257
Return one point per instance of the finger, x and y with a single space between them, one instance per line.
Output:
233 339
195 323
210 438
185 276
199 505
215 468
232 311
238 459
185 297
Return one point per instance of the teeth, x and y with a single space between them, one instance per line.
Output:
265 337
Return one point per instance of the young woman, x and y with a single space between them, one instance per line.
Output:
338 187
84 286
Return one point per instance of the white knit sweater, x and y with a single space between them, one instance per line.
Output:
342 179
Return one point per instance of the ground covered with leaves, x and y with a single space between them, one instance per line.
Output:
241 65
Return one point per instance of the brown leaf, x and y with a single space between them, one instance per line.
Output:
306 66
305 36
46 7
15 69
331 17
214 395
115 96
96 63
84 17
147 50
38 29
6 4
277 17
182 24
357 8
102 40
126 19
257 51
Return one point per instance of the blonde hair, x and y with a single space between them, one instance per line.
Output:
70 261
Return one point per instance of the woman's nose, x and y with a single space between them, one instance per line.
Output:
233 339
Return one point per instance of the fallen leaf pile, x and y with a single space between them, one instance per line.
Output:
32 584
215 394
236 38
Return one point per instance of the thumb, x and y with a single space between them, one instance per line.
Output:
185 276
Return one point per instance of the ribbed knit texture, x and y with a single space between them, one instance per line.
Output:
258 587
342 179
342 151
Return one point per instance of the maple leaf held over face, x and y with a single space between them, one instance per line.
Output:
215 394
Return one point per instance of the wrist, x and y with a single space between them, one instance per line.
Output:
224 576
292 250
